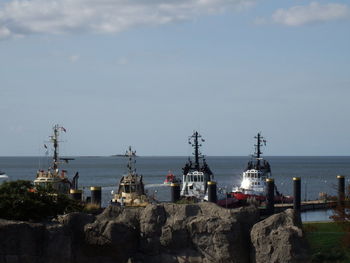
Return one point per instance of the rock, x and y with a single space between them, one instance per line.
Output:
127 215
203 233
114 235
58 244
76 222
152 219
21 241
279 238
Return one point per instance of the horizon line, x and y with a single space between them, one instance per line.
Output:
115 156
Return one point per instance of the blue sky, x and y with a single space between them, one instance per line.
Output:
147 73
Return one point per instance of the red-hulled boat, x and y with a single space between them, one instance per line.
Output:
254 177
253 185
171 178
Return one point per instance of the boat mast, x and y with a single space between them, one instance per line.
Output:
258 152
54 139
131 154
196 146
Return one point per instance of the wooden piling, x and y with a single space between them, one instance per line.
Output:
212 196
270 200
96 195
175 192
297 194
341 189
76 194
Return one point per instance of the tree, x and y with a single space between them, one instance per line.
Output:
19 200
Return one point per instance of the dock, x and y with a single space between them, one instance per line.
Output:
304 206
308 205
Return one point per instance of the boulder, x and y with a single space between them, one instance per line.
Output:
205 232
173 233
21 241
279 238
152 220
33 242
113 236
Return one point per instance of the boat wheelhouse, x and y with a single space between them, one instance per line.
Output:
131 190
196 175
54 178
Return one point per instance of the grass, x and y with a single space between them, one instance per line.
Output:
326 240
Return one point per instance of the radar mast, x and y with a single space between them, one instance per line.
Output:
193 140
259 140
54 139
132 161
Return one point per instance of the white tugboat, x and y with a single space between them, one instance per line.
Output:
131 190
196 175
253 183
53 177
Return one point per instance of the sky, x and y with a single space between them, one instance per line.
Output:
147 73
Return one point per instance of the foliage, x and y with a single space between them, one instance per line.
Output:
325 240
20 201
342 218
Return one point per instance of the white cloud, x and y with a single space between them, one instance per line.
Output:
74 58
22 17
4 32
314 12
261 21
122 61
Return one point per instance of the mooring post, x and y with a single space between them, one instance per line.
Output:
341 189
270 200
96 195
212 197
75 194
297 194
175 192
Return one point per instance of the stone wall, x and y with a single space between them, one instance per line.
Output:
158 233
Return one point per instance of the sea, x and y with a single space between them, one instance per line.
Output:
318 174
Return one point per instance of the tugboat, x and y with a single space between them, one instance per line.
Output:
253 183
196 175
131 190
53 177
171 178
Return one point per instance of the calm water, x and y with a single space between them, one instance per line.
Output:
318 173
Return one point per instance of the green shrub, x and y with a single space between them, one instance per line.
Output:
20 201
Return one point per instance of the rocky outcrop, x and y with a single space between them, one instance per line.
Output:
33 242
202 233
174 233
279 238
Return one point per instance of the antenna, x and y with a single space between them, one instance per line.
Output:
193 140
132 161
259 140
54 140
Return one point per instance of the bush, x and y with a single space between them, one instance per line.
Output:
20 201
